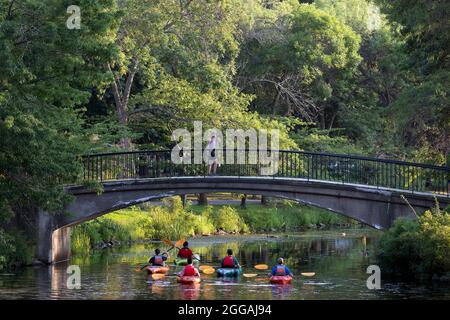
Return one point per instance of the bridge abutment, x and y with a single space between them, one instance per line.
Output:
53 242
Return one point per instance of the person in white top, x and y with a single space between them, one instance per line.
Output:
212 157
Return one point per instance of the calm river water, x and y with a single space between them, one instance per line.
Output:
339 261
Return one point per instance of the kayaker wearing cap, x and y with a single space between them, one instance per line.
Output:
280 269
230 261
158 259
189 270
185 252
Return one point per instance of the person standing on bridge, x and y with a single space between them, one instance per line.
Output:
212 156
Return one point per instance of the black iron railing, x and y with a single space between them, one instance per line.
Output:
384 173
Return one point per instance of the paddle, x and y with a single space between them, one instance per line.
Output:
203 267
261 267
305 274
177 244
209 270
250 275
167 242
158 276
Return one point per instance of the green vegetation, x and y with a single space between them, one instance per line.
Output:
174 222
417 248
14 247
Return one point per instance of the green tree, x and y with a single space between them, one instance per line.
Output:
422 110
47 72
361 15
301 66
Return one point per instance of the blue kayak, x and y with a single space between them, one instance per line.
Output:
229 272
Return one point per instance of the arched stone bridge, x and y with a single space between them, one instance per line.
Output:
372 191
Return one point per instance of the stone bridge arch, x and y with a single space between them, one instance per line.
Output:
375 207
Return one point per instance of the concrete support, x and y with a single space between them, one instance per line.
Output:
183 200
46 225
203 199
244 201
53 242
61 244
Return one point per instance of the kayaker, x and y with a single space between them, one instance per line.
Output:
158 259
280 269
185 252
189 270
230 261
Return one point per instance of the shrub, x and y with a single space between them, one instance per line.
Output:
202 223
417 248
15 249
227 219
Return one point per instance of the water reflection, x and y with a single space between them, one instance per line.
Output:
281 291
339 262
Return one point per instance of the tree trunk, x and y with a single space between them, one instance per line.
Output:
322 120
183 200
332 121
121 98
203 199
244 201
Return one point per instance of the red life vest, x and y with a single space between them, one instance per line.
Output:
185 253
228 262
189 270
281 271
158 261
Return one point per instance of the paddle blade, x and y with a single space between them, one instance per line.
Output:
158 276
167 242
261 267
209 271
179 243
308 274
203 267
138 270
250 275
196 257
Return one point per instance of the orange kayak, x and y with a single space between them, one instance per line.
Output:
188 279
280 279
156 269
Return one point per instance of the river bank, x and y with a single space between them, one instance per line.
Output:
172 221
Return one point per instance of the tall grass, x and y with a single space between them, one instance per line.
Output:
174 222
